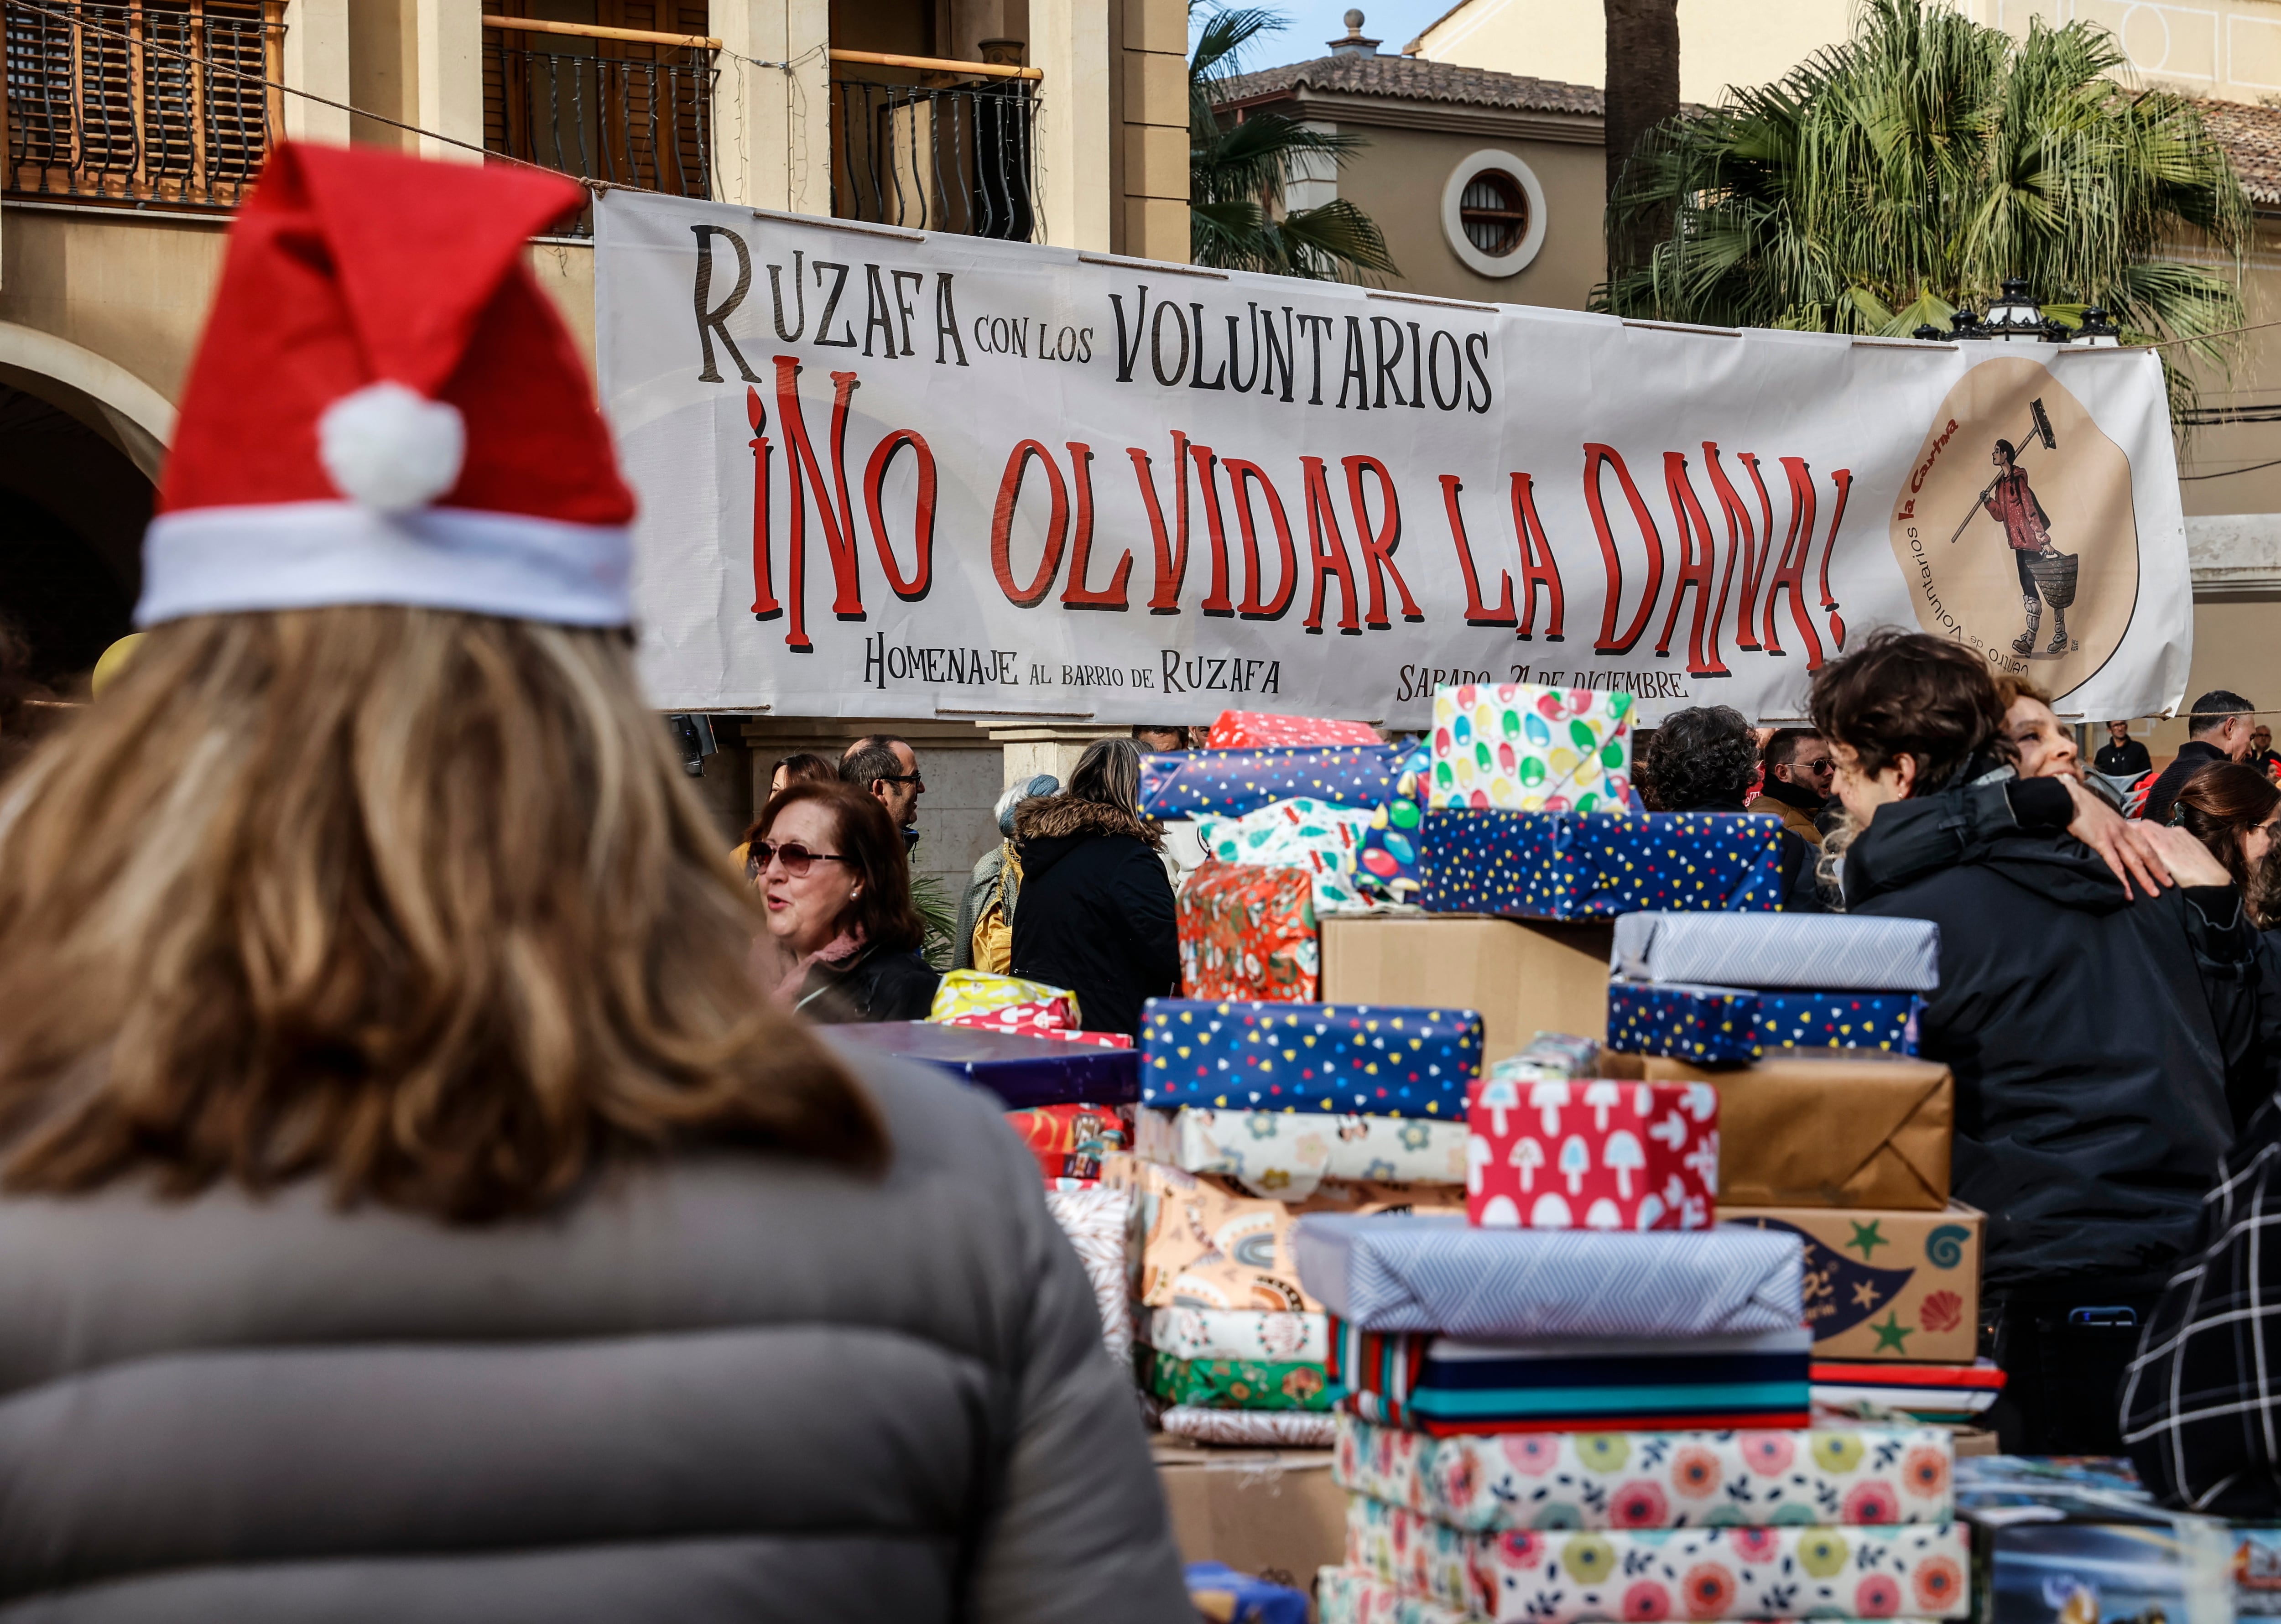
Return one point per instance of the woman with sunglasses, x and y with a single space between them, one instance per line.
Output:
831 872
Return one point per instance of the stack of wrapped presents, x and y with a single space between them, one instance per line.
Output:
1549 1416
1252 1116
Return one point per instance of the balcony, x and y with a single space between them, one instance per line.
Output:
935 145
624 106
141 102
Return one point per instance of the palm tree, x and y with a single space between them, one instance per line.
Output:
1238 169
1889 179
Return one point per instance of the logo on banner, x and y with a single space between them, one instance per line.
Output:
2016 528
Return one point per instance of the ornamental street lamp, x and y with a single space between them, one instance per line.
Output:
2097 332
2016 318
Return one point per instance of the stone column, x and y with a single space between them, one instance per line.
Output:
1034 750
1153 127
1069 42
317 61
448 91
772 126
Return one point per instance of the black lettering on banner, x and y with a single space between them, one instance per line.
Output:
1127 356
1234 348
1281 352
876 311
1316 325
1385 363
830 304
1157 342
799 298
1416 365
917 279
1474 361
1355 373
942 666
946 319
1220 378
1456 372
716 321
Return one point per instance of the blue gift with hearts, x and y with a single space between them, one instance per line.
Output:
1178 783
1705 1024
1374 1059
1576 865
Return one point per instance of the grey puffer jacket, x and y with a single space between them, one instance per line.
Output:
726 1387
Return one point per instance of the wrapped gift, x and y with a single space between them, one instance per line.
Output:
1311 835
1305 1429
1375 1060
1531 749
1425 1273
1834 951
1205 1245
1566 1577
1553 1154
1222 1596
1842 1129
1095 1220
1248 933
1447 1385
1734 1023
1287 1155
1257 730
977 991
1022 1072
1069 1140
1883 1284
1037 1021
1853 1476
1557 865
1230 783
1387 865
1237 1384
1237 1333
1352 1595
1954 1392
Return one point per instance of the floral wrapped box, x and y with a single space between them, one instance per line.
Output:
1287 1155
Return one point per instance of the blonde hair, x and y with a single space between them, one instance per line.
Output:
2011 690
419 901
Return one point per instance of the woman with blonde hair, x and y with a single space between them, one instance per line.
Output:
410 1211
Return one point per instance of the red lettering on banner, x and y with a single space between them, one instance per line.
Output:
1789 572
1843 480
1240 476
1001 527
1326 553
1172 559
1476 613
803 475
875 475
1595 456
1539 570
1743 554
1216 602
1378 542
1699 568
765 605
1078 595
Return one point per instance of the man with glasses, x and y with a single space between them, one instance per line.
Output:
1798 774
883 765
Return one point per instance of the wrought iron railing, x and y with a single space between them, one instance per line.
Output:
642 120
961 157
141 102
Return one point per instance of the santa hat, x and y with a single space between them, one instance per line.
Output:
385 408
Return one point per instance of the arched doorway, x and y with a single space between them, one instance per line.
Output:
72 508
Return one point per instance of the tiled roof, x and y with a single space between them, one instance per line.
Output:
2251 135
1411 79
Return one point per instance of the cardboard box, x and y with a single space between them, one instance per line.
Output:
1885 1284
1823 1132
1272 1513
1525 976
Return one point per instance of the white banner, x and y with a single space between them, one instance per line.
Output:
889 473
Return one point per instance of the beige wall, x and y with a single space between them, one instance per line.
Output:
2234 647
133 291
1398 180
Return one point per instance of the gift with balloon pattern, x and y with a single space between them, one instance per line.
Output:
1259 729
1388 867
1854 1476
1313 835
1247 933
1560 865
979 992
1705 1023
1546 1153
1379 1060
1536 1576
1229 782
1529 748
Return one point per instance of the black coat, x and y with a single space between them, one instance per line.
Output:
2193 755
1094 913
2092 1038
876 986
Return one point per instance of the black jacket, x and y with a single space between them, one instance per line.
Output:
2122 761
2193 755
2092 1038
875 986
1095 914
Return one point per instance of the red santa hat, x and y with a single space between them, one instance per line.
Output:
385 408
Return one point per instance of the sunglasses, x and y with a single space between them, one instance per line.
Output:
917 780
1820 763
795 857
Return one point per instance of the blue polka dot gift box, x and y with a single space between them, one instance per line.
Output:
1570 865
1371 1060
1707 1024
1180 783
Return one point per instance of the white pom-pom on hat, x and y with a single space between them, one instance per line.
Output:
392 449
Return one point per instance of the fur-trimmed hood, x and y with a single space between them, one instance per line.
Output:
1060 818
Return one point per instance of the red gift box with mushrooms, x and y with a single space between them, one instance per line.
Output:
1547 1152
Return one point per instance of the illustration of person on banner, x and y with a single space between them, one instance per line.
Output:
2046 574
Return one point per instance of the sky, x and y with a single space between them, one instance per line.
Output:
1313 23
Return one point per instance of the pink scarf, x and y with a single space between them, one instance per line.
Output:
832 955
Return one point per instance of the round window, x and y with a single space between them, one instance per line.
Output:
1493 214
